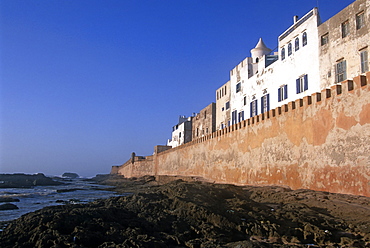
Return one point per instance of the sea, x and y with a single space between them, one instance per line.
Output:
74 191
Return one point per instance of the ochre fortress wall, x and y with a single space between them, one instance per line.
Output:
320 142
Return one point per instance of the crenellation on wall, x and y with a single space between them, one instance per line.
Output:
320 145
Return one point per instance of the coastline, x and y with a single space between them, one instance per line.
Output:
188 212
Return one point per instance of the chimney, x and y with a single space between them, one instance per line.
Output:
295 18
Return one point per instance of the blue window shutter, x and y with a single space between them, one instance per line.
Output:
297 84
306 82
268 102
344 70
256 107
279 95
251 109
285 91
262 105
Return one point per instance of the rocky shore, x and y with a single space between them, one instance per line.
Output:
25 181
192 213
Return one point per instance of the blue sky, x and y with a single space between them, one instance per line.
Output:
84 83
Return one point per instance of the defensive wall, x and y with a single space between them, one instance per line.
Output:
320 142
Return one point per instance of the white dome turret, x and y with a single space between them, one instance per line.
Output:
260 50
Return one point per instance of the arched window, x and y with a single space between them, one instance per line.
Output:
289 49
296 44
282 54
257 60
304 39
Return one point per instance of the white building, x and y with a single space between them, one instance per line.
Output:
181 133
266 81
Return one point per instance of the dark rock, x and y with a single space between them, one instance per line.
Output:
183 214
67 190
70 175
25 181
8 206
8 199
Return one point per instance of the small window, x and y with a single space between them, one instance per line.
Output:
265 103
360 20
364 61
253 108
302 83
289 49
325 39
304 39
245 100
225 90
340 71
234 115
296 44
241 116
227 105
282 53
283 93
345 29
238 87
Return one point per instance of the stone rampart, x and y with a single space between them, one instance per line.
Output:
320 142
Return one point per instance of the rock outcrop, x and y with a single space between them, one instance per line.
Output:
198 214
24 180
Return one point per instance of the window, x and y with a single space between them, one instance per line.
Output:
241 116
304 39
345 29
265 103
325 39
283 93
253 106
233 117
282 54
296 44
245 100
227 105
360 20
340 71
238 87
289 49
302 83
364 61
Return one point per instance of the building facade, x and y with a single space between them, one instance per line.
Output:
204 122
223 106
311 56
344 44
181 133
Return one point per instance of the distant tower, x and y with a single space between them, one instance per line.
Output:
260 50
